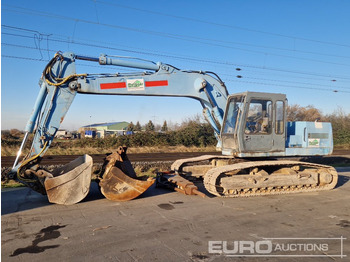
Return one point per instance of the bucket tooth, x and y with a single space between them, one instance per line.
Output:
71 183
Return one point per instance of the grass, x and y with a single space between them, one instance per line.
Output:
12 151
11 184
342 147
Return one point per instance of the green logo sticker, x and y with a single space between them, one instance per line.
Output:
135 84
314 142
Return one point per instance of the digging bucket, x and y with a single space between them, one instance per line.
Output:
71 183
117 186
119 181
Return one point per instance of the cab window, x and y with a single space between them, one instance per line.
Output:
232 115
259 117
279 117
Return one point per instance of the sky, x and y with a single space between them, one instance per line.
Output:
296 47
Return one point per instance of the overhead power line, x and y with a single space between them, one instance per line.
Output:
230 80
289 86
286 81
21 57
223 25
195 39
187 58
223 74
79 64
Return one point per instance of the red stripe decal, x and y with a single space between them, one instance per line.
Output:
113 85
156 83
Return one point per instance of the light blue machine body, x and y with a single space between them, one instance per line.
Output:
60 84
309 138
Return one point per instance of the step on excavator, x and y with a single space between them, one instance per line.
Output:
251 129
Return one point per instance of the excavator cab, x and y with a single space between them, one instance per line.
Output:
254 125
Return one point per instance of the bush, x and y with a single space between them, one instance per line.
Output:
299 113
190 134
341 126
195 134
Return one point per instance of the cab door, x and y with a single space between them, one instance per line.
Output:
263 128
257 130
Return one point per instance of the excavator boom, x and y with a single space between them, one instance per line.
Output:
59 85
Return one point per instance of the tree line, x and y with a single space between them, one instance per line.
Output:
192 132
149 127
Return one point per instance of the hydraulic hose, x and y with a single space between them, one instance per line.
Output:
47 72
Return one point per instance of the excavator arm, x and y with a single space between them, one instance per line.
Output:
59 85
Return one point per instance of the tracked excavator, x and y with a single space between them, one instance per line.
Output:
250 127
